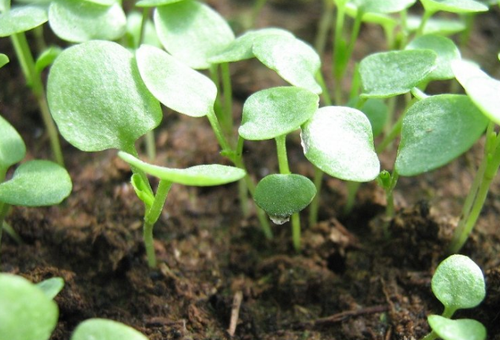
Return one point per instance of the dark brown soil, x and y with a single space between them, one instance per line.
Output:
348 282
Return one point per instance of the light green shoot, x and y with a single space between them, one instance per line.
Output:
104 329
462 329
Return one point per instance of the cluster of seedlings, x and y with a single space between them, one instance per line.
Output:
105 91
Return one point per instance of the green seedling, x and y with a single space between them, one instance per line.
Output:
104 329
459 284
34 183
106 105
26 311
483 91
3 59
79 21
14 23
272 114
51 287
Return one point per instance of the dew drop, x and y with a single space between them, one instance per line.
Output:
279 220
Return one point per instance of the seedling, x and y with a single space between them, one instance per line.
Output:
459 284
27 312
104 329
106 105
34 183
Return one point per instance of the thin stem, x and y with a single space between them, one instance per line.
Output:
352 189
325 94
324 26
425 19
257 8
396 129
431 336
389 209
228 98
4 210
314 207
35 83
338 50
12 233
282 157
296 231
150 145
152 216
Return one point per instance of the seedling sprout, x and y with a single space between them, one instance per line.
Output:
103 329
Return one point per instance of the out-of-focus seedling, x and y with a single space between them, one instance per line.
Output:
459 284
104 329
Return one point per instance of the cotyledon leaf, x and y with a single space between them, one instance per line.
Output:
386 6
174 84
198 175
98 99
12 147
155 3
3 59
333 136
104 329
461 329
21 19
454 6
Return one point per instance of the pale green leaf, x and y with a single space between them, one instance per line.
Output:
12 148
388 74
458 283
454 6
3 59
134 31
103 329
97 97
386 6
241 48
192 32
26 313
280 195
47 58
462 329
198 175
36 183
21 19
439 26
435 131
333 135
377 112
374 18
446 51
104 2
79 21
174 84
155 3
480 87
276 111
294 60
51 287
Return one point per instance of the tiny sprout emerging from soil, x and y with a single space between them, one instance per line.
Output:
104 329
459 284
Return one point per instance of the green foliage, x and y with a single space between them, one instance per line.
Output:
134 31
97 97
192 32
454 6
462 329
277 111
155 3
12 148
388 74
458 283
174 84
27 313
281 195
435 131
46 59
333 135
79 21
51 287
3 60
199 175
387 6
103 329
441 26
22 19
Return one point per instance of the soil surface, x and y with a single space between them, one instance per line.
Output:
216 269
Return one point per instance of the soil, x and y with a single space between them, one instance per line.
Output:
348 281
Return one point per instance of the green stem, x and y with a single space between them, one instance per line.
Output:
338 50
296 231
325 94
4 210
12 233
228 99
35 83
469 24
314 207
324 26
389 209
431 336
257 8
352 189
282 156
396 129
425 18
152 216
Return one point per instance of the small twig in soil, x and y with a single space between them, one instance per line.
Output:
347 314
235 312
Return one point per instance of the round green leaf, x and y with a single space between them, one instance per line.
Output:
12 148
51 287
386 6
458 283
374 18
446 51
333 135
276 111
97 98
3 59
435 131
436 25
192 32
155 3
462 329
47 58
26 313
174 84
22 19
102 329
79 21
199 175
389 74
280 196
480 87
241 48
454 6
36 183
294 60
